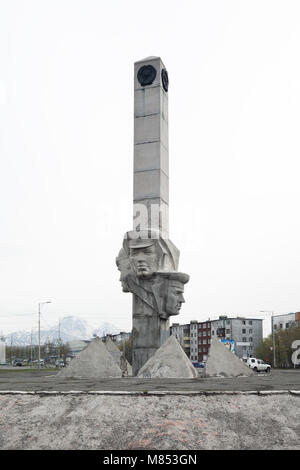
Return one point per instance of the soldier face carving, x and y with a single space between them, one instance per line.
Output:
174 298
123 265
144 260
149 253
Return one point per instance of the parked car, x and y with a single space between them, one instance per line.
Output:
17 363
258 365
60 363
198 364
36 361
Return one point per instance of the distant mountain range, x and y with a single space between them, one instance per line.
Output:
71 328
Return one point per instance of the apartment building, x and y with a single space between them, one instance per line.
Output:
182 334
118 338
195 337
247 333
288 320
200 340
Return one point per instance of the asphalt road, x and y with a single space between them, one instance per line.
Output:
26 380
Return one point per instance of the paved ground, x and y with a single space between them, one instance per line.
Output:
45 380
259 412
160 423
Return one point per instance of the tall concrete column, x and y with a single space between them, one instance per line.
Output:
148 260
151 144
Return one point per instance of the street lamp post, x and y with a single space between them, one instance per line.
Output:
39 326
273 338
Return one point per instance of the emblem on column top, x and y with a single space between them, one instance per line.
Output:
146 75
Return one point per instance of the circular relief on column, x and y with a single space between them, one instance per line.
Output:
146 75
165 79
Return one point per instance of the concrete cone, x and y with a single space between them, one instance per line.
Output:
116 355
94 361
222 362
169 361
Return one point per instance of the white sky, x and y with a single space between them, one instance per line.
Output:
66 153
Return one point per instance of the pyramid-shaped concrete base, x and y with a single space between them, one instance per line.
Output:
118 357
169 361
94 361
222 362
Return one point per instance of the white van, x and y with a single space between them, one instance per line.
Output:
258 365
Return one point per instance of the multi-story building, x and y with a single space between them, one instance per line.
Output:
200 341
118 338
195 337
288 320
247 333
182 334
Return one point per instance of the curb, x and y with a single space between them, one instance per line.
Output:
152 393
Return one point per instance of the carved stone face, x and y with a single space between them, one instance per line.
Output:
174 298
144 260
123 265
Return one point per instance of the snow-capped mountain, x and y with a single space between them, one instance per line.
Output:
71 328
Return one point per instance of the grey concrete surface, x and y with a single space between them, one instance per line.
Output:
93 361
117 356
170 361
43 380
223 363
138 422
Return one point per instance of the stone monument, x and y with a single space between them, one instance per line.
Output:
169 361
222 362
94 361
148 260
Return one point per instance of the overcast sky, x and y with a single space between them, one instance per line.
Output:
66 154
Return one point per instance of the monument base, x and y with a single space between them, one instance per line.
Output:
150 331
139 357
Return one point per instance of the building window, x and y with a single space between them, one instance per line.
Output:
244 340
212 333
250 322
250 331
243 322
204 341
204 333
244 332
250 340
287 325
204 325
228 331
280 325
